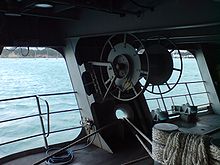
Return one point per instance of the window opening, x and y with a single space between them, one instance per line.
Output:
32 72
190 88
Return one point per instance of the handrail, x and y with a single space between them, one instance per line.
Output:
186 82
48 118
187 95
40 114
59 93
25 97
41 121
180 95
200 108
29 116
48 115
40 134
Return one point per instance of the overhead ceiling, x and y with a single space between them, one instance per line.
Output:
70 9
50 22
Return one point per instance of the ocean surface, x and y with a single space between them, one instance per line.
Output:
23 77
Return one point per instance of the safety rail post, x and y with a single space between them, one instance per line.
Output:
42 122
190 96
48 115
186 99
172 100
162 98
158 103
48 118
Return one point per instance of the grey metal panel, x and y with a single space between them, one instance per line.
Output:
213 97
175 14
84 101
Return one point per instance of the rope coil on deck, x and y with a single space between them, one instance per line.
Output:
162 131
185 148
214 152
157 152
160 135
171 147
63 158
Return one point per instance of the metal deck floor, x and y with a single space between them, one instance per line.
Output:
95 156
207 124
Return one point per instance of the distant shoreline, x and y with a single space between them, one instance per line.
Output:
26 53
28 57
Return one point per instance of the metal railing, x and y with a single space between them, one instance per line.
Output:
188 96
45 134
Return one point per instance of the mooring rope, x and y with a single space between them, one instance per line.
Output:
157 152
214 154
160 135
171 147
182 149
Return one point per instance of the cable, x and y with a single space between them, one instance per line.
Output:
75 142
136 160
87 141
66 156
62 158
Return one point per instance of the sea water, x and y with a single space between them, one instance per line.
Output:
24 77
32 76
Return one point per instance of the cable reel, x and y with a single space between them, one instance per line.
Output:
126 67
166 64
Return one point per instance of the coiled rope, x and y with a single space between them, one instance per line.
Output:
66 156
171 147
182 149
63 158
160 135
214 152
75 142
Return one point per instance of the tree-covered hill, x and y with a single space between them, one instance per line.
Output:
21 52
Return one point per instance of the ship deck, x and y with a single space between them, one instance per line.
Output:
207 124
93 155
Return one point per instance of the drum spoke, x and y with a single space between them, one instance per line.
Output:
152 88
144 73
168 85
134 90
176 69
119 93
109 87
107 81
111 45
171 50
